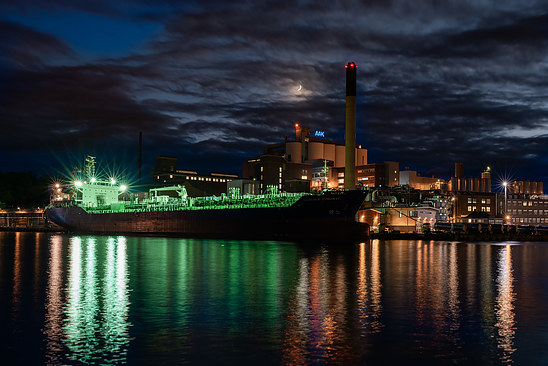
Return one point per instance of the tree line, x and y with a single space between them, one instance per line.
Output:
23 189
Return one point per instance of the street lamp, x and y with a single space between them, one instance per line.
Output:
505 184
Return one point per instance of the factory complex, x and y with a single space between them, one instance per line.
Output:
397 200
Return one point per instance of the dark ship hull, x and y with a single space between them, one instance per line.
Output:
327 217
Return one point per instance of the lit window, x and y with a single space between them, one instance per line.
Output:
470 208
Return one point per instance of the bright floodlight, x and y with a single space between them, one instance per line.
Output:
112 181
78 184
505 183
123 187
93 180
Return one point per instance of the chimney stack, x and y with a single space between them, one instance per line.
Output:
350 132
459 170
140 153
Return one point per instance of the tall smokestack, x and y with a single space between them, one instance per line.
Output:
459 170
350 132
140 153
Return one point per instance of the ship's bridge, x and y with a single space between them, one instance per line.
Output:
97 193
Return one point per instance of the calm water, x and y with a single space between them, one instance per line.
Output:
140 300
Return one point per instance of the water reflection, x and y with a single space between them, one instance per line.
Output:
369 294
54 312
437 297
504 306
115 328
92 323
17 280
321 318
220 302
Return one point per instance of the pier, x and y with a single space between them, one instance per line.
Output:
25 221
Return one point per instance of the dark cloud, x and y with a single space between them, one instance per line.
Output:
438 81
22 46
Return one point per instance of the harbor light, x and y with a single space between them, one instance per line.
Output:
93 180
78 183
112 181
123 187
505 184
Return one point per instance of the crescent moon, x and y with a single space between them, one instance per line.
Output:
300 87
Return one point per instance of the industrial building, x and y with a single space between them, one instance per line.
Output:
460 183
526 187
165 173
300 165
527 209
416 181
369 175
465 203
313 162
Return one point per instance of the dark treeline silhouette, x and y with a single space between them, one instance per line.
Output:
23 189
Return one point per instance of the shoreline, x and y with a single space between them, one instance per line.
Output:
32 229
462 236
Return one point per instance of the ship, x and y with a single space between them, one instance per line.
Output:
96 207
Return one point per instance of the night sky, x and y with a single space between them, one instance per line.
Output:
211 82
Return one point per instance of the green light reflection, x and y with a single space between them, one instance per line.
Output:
91 310
116 303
